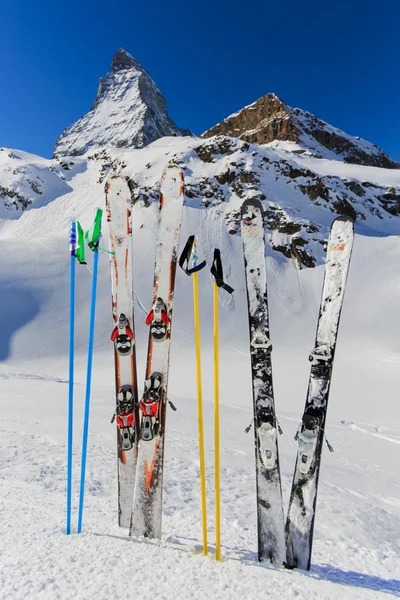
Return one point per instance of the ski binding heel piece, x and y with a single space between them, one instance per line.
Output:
267 435
125 418
149 406
307 439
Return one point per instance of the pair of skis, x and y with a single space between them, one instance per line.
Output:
141 424
295 550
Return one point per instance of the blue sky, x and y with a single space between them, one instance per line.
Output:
338 60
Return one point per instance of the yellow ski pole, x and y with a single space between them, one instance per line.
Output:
190 253
216 433
217 272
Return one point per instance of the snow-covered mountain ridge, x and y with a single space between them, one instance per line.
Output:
300 167
301 194
356 538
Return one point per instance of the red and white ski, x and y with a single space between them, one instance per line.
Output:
118 203
147 502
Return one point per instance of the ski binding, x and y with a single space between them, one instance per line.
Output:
307 437
158 320
260 340
266 432
321 354
125 418
122 336
149 406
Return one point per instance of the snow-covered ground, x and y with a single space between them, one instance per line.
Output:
356 550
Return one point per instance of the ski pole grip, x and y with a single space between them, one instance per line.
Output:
72 237
218 274
186 256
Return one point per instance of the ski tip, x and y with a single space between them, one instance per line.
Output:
117 183
343 219
253 202
116 176
173 166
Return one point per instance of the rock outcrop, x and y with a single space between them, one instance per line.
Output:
269 119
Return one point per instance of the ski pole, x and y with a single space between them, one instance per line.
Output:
217 273
76 248
216 432
92 237
72 248
190 253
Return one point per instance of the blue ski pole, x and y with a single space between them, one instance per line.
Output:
77 251
92 237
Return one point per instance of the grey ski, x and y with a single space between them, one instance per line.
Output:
310 435
270 519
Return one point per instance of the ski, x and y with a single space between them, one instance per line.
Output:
118 202
270 520
310 435
147 502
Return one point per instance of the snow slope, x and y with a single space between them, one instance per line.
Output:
356 551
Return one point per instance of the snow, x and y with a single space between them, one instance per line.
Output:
356 547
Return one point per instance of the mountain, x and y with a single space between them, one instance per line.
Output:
301 194
269 119
357 530
129 112
359 481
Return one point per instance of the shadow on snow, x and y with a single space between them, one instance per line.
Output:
355 579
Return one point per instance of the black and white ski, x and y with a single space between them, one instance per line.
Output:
270 520
310 435
118 202
147 502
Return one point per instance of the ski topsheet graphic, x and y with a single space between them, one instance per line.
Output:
310 436
270 521
118 202
147 502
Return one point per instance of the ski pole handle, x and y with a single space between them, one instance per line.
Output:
218 274
93 235
72 237
190 253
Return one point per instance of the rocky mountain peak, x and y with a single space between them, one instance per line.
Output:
269 119
129 112
123 60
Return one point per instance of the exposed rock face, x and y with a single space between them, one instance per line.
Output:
299 202
270 119
129 112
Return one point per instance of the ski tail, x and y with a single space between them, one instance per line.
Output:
310 436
